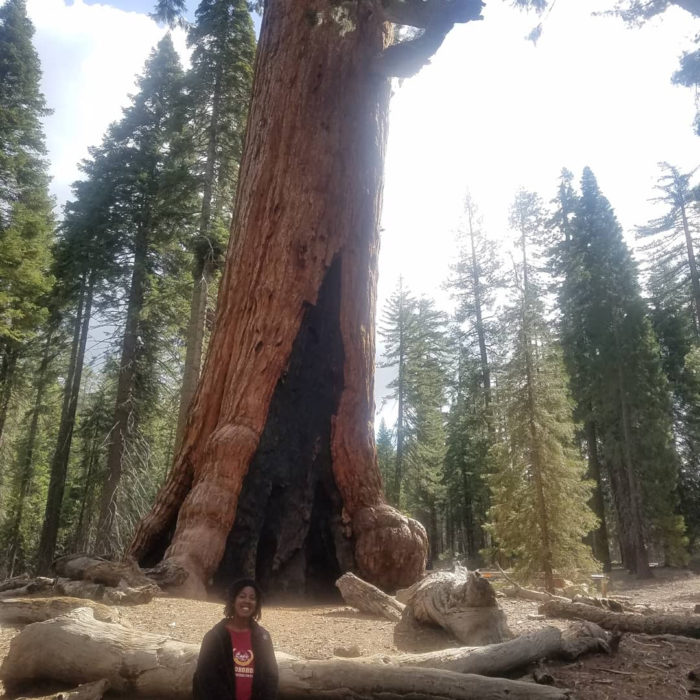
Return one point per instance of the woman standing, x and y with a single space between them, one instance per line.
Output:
237 661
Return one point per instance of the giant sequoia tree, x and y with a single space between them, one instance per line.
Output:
277 471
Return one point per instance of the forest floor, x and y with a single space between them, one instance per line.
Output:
643 667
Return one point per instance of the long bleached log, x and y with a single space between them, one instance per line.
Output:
84 567
76 648
500 659
35 585
28 610
368 598
660 623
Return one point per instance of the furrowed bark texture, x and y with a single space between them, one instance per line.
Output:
306 212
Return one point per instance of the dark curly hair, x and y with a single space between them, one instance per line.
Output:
235 589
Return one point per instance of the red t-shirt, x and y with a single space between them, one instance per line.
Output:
243 663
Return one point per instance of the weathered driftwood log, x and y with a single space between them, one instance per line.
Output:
461 602
86 691
500 659
139 663
28 610
684 625
84 567
79 589
35 585
341 678
368 598
119 595
529 594
411 635
602 603
14 582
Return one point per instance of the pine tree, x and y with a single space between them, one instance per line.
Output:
672 247
396 331
473 282
219 84
577 351
386 455
25 207
622 387
426 379
154 196
538 512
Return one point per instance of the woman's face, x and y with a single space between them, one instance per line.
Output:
244 603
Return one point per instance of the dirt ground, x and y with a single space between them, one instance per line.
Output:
643 667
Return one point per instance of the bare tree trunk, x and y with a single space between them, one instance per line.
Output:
59 463
124 403
26 466
633 496
692 264
601 548
541 505
306 213
7 372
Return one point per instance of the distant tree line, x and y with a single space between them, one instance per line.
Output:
552 420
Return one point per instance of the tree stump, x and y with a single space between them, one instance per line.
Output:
461 603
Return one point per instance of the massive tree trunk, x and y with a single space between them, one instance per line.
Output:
59 463
277 471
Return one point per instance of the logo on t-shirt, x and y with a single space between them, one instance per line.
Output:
242 658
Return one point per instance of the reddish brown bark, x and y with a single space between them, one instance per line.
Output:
310 195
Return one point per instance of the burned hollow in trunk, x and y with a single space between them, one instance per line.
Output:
288 531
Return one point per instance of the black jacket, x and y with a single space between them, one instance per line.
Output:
214 678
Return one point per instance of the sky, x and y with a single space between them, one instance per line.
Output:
492 113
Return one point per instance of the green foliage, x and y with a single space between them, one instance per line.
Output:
386 454
615 367
539 512
26 222
673 242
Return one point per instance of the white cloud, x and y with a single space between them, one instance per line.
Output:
90 55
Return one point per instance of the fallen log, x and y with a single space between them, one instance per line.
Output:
368 598
501 659
15 582
603 603
34 585
462 603
28 610
660 623
519 591
79 589
77 648
120 595
86 691
83 567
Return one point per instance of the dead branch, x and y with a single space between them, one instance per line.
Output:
368 598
